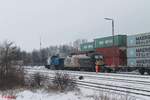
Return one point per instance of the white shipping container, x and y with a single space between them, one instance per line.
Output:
142 39
139 52
138 62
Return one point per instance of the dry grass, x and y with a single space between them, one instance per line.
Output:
112 96
12 79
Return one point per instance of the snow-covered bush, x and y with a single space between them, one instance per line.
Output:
64 82
36 81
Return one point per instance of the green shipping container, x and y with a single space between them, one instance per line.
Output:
87 46
119 41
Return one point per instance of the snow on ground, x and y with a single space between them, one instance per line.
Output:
109 80
84 94
43 95
35 67
99 79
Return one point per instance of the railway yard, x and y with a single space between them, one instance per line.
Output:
135 85
75 50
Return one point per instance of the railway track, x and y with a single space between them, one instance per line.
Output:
137 80
116 88
128 82
104 74
112 87
111 74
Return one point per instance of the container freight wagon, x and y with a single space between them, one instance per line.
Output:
113 57
114 53
138 52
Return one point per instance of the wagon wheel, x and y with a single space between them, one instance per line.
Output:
148 71
142 71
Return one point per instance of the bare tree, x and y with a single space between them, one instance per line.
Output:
6 56
10 74
64 82
76 43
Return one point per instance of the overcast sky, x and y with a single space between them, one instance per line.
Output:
62 21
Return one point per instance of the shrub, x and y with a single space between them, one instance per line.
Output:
36 81
64 82
12 79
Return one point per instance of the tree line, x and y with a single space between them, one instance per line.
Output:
36 57
12 58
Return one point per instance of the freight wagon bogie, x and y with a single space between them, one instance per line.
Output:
142 70
148 71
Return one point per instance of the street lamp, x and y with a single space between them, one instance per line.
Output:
110 19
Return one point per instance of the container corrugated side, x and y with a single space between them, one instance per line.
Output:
138 62
119 40
117 61
140 52
110 52
87 46
142 39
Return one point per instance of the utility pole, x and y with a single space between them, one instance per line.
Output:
40 43
40 51
113 46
